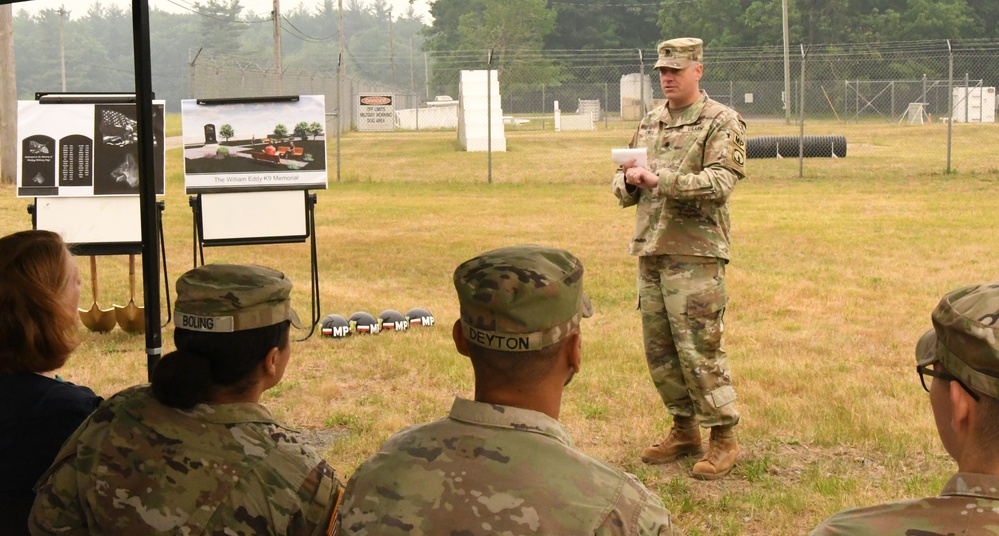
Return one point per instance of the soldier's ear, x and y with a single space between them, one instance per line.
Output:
270 362
574 351
458 335
961 408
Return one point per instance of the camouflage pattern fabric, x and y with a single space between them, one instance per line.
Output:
490 469
965 337
139 467
222 298
682 241
521 298
969 504
680 53
699 156
682 301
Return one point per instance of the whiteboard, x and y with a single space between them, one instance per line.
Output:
254 215
86 220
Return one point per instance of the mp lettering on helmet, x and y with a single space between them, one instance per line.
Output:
336 331
422 321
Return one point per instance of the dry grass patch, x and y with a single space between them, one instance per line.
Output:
832 282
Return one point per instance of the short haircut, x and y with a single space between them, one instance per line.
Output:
37 331
987 432
205 363
513 368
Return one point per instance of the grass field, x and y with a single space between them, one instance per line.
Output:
832 281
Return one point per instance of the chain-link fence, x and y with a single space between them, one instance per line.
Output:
891 82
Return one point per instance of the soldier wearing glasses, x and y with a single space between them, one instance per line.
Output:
958 364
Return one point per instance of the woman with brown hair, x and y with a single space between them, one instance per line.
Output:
39 296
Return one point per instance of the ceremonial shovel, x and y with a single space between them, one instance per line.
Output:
131 317
97 319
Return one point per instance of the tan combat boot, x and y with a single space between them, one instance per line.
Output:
684 439
723 449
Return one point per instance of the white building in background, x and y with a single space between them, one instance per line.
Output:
974 105
440 114
636 88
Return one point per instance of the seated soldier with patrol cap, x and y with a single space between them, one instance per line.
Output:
195 452
502 463
958 364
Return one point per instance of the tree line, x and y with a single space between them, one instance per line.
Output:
97 44
532 41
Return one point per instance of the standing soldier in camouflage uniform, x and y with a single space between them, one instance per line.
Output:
195 452
502 464
696 155
960 354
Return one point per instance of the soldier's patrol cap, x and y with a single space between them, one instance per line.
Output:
521 298
679 53
222 298
965 337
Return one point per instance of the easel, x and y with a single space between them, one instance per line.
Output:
91 223
206 234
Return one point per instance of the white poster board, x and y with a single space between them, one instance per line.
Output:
73 148
248 216
271 143
85 220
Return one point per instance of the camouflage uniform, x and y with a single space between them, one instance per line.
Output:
682 242
968 504
496 469
490 469
964 342
139 467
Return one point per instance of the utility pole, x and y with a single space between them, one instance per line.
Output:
8 98
276 15
391 48
62 44
412 69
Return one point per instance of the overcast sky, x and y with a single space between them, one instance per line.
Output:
78 8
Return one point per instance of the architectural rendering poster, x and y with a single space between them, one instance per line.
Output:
254 146
83 150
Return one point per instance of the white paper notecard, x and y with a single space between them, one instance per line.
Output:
622 156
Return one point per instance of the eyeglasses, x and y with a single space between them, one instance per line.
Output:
925 371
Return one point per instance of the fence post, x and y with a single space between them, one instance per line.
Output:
967 97
606 104
846 91
892 114
950 100
489 113
339 106
542 106
801 117
641 78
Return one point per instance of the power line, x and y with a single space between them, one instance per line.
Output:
304 36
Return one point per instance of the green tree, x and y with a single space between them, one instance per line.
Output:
226 131
316 129
514 30
221 25
280 131
302 130
604 25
